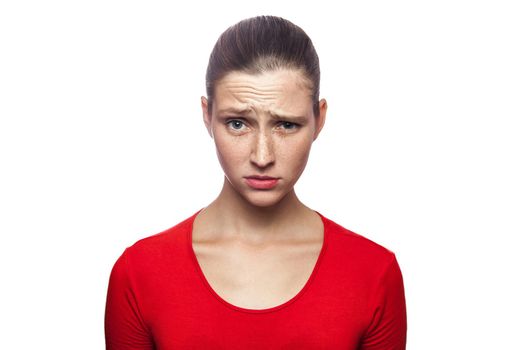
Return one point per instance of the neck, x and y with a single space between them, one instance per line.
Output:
234 215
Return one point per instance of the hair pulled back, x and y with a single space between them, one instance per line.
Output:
260 44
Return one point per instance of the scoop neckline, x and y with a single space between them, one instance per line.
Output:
290 301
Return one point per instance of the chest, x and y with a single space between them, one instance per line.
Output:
326 315
257 277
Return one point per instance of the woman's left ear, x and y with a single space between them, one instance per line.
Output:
319 120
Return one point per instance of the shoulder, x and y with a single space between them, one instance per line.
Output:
357 250
169 243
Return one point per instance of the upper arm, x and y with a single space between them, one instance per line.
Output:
123 324
387 330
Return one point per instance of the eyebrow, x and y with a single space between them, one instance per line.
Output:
289 117
233 111
279 116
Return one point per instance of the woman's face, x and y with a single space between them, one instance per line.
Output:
263 126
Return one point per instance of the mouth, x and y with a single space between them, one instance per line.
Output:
259 182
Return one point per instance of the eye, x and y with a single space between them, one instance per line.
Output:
235 124
289 125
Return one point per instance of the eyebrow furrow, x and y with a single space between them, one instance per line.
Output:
290 119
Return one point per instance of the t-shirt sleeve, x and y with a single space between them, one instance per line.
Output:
387 331
123 324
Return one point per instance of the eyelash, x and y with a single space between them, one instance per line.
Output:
293 125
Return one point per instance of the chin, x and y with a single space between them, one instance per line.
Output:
264 199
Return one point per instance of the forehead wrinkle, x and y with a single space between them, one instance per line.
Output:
249 90
255 100
261 87
257 87
271 95
254 93
271 105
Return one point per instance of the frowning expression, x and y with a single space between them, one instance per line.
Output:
263 127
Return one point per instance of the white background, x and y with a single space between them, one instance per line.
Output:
102 143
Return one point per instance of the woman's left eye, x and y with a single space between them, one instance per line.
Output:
289 125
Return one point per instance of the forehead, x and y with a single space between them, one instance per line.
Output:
286 90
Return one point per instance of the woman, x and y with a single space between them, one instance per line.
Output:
256 268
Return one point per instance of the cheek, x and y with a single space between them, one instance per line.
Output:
231 151
295 153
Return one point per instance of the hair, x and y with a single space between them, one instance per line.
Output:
261 44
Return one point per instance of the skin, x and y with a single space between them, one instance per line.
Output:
258 247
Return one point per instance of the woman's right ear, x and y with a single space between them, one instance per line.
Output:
206 117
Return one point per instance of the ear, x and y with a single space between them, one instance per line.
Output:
206 117
319 121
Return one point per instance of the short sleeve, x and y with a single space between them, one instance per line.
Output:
387 331
123 324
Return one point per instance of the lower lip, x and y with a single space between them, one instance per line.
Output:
261 184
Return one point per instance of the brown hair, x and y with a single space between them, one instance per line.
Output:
260 44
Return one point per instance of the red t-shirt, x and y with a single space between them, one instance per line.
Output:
158 298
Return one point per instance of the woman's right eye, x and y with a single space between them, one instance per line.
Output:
235 124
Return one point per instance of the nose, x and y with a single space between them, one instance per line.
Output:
262 152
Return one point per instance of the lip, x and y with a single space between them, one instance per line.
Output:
261 177
260 182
